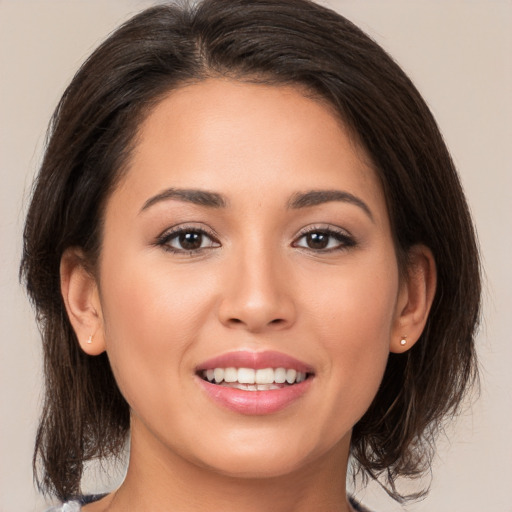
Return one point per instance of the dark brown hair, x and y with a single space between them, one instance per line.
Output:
92 133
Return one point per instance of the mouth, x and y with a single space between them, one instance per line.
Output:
255 383
250 379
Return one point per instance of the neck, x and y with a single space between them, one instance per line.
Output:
158 479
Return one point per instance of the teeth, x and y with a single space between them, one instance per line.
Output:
291 376
254 380
230 375
252 387
246 376
280 375
265 376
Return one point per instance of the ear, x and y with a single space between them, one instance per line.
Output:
415 299
81 298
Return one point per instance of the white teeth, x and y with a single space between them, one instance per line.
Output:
290 376
246 375
280 375
251 387
218 374
230 375
254 380
265 376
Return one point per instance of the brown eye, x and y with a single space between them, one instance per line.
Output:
325 240
190 241
187 241
317 240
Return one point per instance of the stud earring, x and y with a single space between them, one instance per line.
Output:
89 339
403 341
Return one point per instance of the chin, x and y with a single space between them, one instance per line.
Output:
267 459
258 467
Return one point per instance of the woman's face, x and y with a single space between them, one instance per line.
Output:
249 232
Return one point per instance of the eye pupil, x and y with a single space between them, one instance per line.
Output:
190 241
317 240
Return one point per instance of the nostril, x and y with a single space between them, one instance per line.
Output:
276 321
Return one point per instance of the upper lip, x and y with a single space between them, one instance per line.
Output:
255 360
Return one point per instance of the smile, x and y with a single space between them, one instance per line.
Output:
249 379
255 383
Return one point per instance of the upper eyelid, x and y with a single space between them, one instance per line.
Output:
329 228
211 233
180 228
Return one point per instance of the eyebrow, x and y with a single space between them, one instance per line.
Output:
317 197
195 196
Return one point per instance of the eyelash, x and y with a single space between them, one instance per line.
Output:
343 239
166 238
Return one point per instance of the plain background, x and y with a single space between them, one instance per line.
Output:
459 55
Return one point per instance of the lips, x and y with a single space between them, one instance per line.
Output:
255 382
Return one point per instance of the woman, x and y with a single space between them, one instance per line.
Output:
249 250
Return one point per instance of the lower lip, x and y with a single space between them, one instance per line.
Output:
255 402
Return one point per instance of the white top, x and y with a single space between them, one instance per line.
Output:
74 506
70 506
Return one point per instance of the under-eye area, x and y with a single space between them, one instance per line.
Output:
249 379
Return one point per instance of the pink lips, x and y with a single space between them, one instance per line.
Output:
255 402
256 360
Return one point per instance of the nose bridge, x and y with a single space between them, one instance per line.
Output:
258 295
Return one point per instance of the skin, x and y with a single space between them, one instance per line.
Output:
256 284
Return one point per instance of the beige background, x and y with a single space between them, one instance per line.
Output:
459 55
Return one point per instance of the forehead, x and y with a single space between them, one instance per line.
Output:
238 137
228 107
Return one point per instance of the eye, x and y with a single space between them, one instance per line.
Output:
324 240
187 240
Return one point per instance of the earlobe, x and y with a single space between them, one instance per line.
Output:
415 299
81 298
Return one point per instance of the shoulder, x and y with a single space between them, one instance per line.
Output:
75 506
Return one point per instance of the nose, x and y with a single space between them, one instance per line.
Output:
258 294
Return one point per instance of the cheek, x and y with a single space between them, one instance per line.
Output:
354 317
151 319
142 298
356 303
